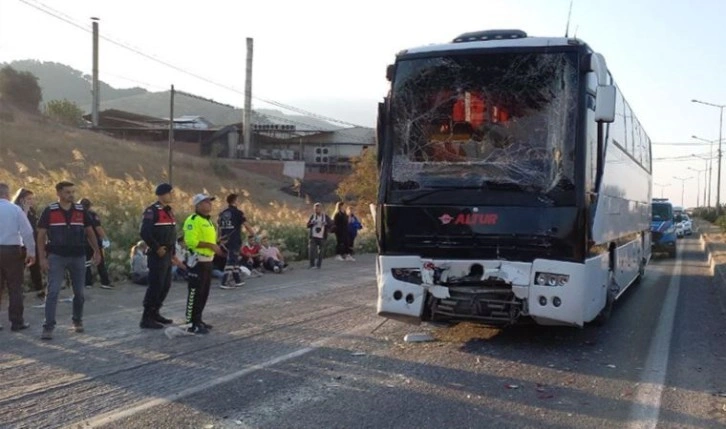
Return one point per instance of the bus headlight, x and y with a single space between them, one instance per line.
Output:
551 279
408 275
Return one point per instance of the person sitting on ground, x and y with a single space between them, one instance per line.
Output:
218 264
272 259
139 265
251 257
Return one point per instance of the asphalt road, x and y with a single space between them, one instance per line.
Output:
299 350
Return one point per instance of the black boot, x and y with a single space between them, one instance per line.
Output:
148 322
161 319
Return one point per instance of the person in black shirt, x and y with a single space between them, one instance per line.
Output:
103 243
340 223
64 229
26 200
158 230
230 222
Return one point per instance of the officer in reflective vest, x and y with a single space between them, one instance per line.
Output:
158 230
200 237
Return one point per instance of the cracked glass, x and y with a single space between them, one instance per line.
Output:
485 121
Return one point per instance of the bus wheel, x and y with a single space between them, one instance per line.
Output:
604 315
641 271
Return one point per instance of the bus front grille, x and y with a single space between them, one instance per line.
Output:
496 306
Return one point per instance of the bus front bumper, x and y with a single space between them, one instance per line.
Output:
412 289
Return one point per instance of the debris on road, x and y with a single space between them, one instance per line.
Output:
358 354
174 331
420 337
511 386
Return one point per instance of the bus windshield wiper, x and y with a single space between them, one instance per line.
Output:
434 190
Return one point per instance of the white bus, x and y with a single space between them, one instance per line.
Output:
515 182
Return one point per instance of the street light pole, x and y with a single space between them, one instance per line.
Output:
706 183
662 187
698 186
709 161
720 134
683 187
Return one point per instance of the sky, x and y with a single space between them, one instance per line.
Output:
329 57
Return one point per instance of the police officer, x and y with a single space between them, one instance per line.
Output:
230 221
64 229
158 230
200 237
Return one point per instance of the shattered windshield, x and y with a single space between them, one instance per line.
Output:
485 119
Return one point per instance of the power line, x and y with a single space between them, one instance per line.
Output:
679 144
680 159
58 15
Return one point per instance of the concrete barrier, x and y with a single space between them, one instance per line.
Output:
714 250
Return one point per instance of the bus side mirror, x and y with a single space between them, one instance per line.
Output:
605 103
380 131
598 65
389 72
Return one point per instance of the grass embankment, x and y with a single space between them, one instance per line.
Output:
120 176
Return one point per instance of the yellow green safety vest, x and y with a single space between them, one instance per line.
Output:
199 228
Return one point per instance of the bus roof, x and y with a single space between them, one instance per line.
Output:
524 42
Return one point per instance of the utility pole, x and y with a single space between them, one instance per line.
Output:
709 160
698 186
683 187
95 102
720 152
171 130
662 187
247 122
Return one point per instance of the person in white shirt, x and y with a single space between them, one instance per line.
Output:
15 232
139 264
319 226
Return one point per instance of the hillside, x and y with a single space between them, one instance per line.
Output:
31 147
59 81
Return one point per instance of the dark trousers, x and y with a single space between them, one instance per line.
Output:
101 267
351 243
231 268
12 267
270 263
252 263
316 248
200 279
342 243
159 281
36 277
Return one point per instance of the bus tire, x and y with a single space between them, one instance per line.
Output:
602 318
641 271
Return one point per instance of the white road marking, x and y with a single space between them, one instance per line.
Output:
140 406
646 407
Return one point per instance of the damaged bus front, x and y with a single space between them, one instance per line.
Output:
482 202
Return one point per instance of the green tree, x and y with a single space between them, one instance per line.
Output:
362 184
20 89
64 111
